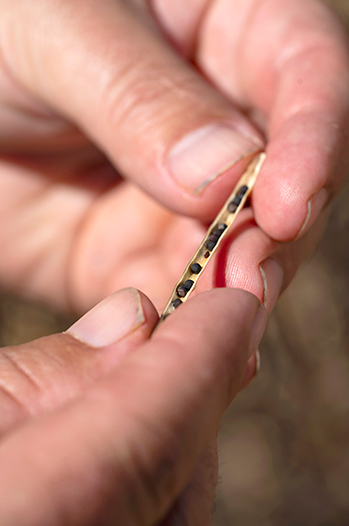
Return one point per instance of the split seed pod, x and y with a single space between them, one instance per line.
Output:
216 232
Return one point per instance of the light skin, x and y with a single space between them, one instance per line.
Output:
117 433
123 128
84 80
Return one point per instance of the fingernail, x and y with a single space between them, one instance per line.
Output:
315 206
206 153
273 277
257 365
111 320
258 328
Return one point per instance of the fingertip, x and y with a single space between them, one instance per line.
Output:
287 216
151 315
273 279
239 266
216 317
115 318
252 370
315 206
204 154
280 204
306 164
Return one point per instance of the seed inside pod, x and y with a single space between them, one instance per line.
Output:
188 284
242 191
215 234
232 207
181 291
234 204
195 268
211 244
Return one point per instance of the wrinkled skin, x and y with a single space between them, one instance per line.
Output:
118 432
84 80
95 96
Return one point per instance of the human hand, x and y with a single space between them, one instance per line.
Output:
81 78
102 425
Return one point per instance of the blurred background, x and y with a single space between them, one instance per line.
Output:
284 444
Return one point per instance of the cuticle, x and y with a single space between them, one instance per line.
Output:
140 310
307 217
265 285
227 167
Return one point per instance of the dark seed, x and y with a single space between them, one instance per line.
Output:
166 316
177 303
222 227
206 254
195 268
234 204
212 237
210 245
181 291
216 232
188 284
232 207
242 191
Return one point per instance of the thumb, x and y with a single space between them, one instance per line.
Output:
43 374
106 66
126 451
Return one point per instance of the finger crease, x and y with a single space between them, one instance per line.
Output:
9 394
20 369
